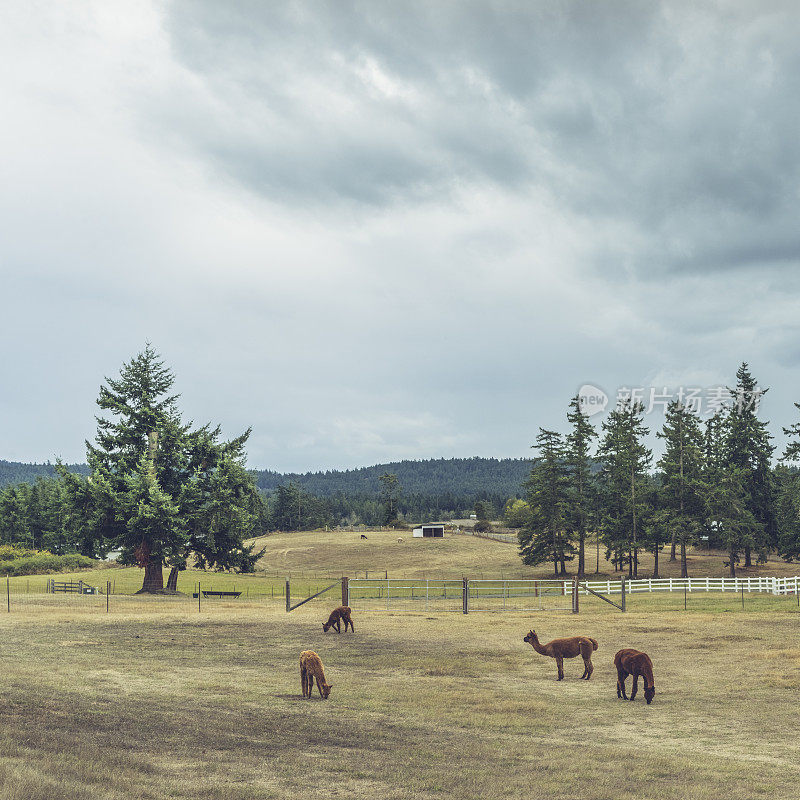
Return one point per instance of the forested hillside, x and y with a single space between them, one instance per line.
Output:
12 472
458 476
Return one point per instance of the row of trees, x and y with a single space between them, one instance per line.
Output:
715 480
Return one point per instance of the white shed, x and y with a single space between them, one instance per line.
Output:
431 530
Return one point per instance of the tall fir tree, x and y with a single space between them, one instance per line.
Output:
160 491
581 485
681 495
788 504
623 480
748 451
544 536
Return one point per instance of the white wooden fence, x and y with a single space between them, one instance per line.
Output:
776 586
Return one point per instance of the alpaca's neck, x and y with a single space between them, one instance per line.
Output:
537 647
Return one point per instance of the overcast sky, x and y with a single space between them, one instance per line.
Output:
377 230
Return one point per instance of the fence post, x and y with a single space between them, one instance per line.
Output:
108 592
575 595
199 594
622 589
345 591
465 596
8 592
288 599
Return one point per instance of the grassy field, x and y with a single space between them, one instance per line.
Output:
186 705
313 558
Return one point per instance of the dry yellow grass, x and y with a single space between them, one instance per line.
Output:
186 705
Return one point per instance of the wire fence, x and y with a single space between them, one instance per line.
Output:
404 594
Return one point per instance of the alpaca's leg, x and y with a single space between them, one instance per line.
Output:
350 621
589 667
319 686
560 665
635 685
303 680
338 625
621 677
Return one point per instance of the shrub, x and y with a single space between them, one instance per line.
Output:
16 560
482 526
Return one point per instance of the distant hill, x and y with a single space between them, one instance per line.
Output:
17 472
462 477
458 476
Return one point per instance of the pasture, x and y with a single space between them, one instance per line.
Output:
313 558
186 705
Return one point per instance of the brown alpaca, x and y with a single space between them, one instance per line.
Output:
341 613
310 668
632 662
559 649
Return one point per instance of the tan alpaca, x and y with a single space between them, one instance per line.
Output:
310 668
339 615
559 649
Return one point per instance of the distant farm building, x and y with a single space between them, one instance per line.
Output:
434 530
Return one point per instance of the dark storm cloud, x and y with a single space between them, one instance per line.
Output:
677 119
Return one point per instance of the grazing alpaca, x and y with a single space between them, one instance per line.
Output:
633 662
310 668
559 649
341 613
363 537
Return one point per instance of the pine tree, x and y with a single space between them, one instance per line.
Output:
579 465
390 496
734 524
623 478
788 503
681 495
159 490
543 537
748 451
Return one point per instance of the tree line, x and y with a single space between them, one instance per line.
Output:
715 482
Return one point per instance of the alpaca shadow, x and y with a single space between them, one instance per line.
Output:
287 696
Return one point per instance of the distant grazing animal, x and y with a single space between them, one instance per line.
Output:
310 668
342 613
363 537
633 662
559 649
399 538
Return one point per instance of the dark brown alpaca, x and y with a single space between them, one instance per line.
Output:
310 668
559 649
342 613
632 662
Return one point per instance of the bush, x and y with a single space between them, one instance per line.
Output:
482 526
15 560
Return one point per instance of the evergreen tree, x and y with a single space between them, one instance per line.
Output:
748 451
159 490
390 495
579 463
681 495
788 505
733 522
544 537
623 479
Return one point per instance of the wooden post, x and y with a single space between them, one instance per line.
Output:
108 592
345 591
465 596
575 595
622 584
8 592
198 597
288 598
